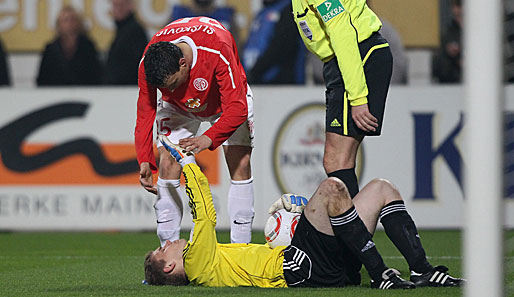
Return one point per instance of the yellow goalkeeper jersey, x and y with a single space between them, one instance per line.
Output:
209 263
334 28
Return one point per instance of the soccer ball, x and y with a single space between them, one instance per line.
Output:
280 227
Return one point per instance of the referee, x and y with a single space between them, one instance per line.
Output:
357 71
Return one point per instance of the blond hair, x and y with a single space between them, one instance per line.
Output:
78 17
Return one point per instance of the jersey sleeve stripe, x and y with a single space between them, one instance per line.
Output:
223 59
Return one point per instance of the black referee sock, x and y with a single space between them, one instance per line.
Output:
400 228
349 178
350 230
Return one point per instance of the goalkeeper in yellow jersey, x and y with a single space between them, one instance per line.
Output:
313 259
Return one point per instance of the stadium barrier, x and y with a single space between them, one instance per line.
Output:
68 161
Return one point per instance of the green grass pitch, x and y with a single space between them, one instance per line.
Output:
111 264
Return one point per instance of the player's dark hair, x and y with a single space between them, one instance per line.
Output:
161 60
154 274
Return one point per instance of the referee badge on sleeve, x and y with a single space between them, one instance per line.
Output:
305 29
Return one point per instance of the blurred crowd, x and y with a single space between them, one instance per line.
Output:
271 54
447 61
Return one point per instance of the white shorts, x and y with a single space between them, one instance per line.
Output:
178 124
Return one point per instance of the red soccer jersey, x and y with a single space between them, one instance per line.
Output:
216 84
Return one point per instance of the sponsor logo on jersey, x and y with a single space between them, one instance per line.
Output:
329 9
200 84
194 105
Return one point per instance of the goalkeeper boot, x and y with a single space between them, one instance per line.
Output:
391 280
437 277
178 153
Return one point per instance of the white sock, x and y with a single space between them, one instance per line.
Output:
168 209
188 158
240 210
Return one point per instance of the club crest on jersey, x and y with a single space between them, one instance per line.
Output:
200 84
329 9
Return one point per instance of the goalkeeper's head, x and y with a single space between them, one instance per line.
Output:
165 266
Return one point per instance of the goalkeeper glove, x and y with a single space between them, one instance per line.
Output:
289 202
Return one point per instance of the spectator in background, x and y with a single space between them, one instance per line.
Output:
71 59
400 61
447 63
127 47
274 53
4 67
224 15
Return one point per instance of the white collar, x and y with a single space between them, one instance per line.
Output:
192 44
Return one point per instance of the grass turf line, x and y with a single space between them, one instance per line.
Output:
111 264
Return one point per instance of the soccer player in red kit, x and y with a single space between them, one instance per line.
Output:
194 64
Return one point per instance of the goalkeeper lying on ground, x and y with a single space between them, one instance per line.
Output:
313 259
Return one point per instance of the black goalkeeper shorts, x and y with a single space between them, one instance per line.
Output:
377 70
313 259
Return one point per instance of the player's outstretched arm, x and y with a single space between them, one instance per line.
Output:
202 246
197 185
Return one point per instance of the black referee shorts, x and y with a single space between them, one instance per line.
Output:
377 70
313 259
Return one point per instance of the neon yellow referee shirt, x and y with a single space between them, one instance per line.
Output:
208 263
334 28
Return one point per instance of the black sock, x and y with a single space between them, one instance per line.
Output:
350 230
352 265
400 228
349 178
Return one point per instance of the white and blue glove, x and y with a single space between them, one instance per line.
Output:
289 202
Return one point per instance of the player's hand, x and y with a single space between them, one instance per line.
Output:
145 178
195 144
289 202
364 119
